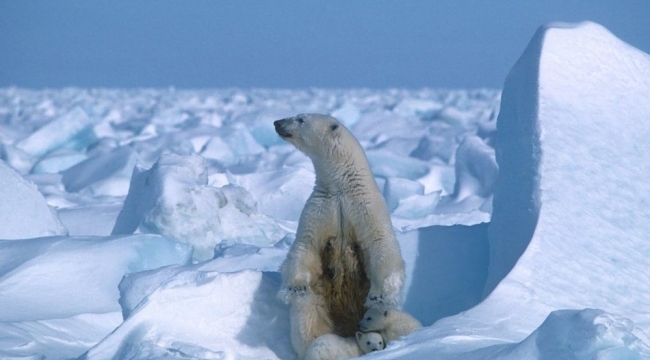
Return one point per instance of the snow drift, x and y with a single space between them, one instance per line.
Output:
569 228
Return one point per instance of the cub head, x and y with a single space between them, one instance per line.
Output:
370 341
374 320
313 134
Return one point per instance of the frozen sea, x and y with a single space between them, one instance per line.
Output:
151 223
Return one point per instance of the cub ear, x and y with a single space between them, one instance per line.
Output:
359 334
333 127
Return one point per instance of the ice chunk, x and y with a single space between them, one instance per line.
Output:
386 164
72 126
103 174
241 141
348 114
250 322
173 199
476 168
58 161
573 158
228 258
418 206
423 109
84 269
23 210
280 193
396 189
91 219
218 149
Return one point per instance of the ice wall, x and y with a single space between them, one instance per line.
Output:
577 137
570 223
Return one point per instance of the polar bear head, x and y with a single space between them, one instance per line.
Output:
370 341
317 136
374 320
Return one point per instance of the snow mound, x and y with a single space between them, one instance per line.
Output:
59 295
87 269
569 228
23 209
584 334
173 199
574 154
223 316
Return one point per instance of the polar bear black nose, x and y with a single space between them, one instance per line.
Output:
279 128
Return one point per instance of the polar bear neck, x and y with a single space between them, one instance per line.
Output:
344 173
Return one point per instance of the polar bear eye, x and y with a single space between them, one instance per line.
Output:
334 127
368 342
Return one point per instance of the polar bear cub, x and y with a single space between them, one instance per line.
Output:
390 323
334 347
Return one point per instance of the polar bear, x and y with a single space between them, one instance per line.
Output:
345 257
334 347
390 323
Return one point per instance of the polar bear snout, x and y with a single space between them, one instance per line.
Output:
281 127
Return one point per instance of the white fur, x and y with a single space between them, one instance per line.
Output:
370 341
390 323
334 347
345 190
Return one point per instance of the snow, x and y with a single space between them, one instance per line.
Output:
569 228
33 217
149 223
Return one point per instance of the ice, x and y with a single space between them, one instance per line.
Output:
476 168
348 114
280 193
396 189
92 219
87 269
58 161
589 334
173 199
569 227
103 174
224 315
418 206
228 258
580 155
59 295
565 264
386 164
23 209
73 129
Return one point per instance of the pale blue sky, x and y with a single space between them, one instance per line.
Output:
285 44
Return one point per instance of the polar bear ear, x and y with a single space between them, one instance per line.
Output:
359 334
333 127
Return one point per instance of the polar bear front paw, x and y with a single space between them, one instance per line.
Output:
296 290
378 300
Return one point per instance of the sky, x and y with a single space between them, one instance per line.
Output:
285 43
